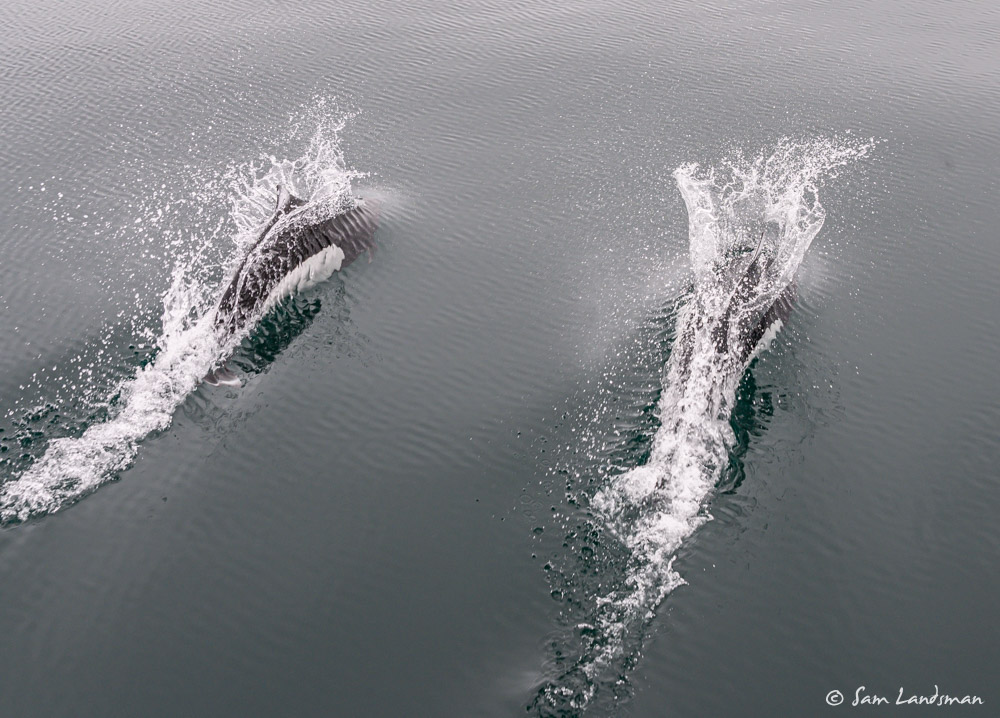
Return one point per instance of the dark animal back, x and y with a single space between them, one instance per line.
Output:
779 311
282 250
353 231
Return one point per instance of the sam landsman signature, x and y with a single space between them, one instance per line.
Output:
937 698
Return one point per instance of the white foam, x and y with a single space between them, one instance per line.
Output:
73 467
653 508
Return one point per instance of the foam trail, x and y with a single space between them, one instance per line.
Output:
73 466
651 509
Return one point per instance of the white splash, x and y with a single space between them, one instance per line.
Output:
771 201
72 467
320 176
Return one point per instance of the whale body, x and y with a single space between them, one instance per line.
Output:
751 312
301 244
744 330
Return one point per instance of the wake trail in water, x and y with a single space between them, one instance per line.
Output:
750 224
186 347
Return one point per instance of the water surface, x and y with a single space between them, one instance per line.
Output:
396 511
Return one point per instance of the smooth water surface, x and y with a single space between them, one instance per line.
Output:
409 506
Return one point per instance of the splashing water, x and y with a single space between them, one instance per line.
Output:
320 176
186 348
767 207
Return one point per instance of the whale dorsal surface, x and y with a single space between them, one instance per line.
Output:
752 328
301 244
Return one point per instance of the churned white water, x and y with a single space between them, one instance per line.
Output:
186 345
767 206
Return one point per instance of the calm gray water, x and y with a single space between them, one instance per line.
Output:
427 497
